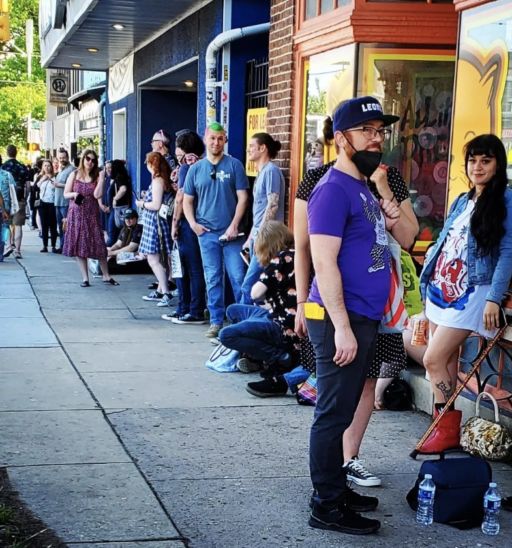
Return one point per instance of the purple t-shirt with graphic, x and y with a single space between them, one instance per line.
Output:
344 207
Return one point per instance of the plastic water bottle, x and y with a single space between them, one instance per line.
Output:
492 504
426 493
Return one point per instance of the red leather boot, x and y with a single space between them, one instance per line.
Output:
446 435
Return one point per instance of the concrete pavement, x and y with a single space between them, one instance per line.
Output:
115 433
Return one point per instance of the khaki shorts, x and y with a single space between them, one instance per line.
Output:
18 219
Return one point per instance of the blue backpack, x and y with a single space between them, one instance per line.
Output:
461 484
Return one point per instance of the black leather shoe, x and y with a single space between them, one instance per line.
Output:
342 519
354 501
85 284
360 503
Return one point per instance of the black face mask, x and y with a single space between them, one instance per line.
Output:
367 161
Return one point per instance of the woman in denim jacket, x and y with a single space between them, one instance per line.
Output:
466 275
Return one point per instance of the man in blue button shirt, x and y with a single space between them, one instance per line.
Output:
214 202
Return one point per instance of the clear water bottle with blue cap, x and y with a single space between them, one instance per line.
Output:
426 494
492 505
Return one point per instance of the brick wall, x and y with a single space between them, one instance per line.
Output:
280 78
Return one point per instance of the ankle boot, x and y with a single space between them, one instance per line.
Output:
446 435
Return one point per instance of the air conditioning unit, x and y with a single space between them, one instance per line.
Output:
59 14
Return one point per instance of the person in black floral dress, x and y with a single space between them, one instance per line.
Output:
390 358
267 333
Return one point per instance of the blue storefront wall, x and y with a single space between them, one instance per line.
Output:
167 110
250 12
172 110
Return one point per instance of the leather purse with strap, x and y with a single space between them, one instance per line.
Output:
486 438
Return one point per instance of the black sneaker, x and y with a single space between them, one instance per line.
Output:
342 519
188 319
360 503
354 501
268 388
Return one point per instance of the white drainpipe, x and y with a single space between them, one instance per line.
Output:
211 63
103 145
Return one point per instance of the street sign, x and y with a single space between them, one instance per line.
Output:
59 88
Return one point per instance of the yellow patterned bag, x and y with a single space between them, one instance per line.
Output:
485 438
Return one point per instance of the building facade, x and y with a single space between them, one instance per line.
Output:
155 56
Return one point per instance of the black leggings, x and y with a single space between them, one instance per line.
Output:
48 222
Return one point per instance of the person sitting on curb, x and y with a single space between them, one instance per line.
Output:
266 333
129 238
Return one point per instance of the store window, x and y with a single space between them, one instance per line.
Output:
313 8
329 79
418 87
483 94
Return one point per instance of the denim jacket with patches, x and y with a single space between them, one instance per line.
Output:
494 268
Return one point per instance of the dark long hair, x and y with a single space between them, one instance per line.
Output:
190 142
119 173
273 146
490 212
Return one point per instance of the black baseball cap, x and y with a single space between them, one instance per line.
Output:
353 112
131 213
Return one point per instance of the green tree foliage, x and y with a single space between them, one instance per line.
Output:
19 95
17 101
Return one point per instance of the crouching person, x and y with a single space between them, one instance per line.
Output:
266 334
123 256
129 237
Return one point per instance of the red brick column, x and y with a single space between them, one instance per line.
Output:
280 78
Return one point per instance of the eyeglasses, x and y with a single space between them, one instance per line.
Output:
90 159
213 173
371 132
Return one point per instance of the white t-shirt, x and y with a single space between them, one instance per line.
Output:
451 302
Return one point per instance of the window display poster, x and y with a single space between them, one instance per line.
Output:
328 80
256 123
417 87
483 94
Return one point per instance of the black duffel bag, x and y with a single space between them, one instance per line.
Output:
461 484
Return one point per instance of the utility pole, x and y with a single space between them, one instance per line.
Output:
29 40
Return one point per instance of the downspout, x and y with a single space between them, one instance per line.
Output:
211 63
101 105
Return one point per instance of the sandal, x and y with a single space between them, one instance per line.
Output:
85 284
110 281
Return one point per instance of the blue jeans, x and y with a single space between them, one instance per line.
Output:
218 258
2 244
251 277
254 334
338 392
295 377
191 286
112 230
61 212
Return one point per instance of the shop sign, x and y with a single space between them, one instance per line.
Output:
120 82
256 123
59 88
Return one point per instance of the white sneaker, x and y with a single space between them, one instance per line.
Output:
165 300
359 475
153 296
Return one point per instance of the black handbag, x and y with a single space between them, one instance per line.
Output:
461 484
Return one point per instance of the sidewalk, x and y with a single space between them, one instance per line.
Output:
115 434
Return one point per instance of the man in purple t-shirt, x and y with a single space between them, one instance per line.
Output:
347 228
